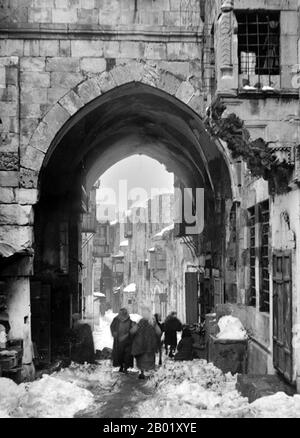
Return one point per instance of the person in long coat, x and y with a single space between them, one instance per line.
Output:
82 343
120 330
172 325
145 342
160 343
185 346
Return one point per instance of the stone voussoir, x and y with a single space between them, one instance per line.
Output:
71 102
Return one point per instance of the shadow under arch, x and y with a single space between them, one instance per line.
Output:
131 119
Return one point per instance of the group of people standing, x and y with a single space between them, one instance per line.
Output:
143 340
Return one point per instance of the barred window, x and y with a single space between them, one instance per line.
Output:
259 228
252 291
259 43
264 298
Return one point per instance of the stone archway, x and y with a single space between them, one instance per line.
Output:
67 110
132 108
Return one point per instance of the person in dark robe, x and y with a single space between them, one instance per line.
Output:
160 343
185 346
145 342
120 330
82 343
172 325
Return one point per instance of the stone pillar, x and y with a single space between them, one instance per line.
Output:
226 50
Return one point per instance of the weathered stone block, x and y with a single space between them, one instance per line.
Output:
28 178
32 64
12 47
62 64
71 102
31 48
39 79
31 110
65 79
49 47
80 48
39 15
156 51
8 178
106 18
9 108
179 69
16 236
9 160
183 51
93 65
14 214
64 48
55 93
153 18
169 83
32 159
9 142
34 95
89 90
26 196
44 134
172 18
7 195
122 74
64 15
12 76
106 82
111 49
185 92
132 49
87 16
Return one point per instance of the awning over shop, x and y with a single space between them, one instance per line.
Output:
130 288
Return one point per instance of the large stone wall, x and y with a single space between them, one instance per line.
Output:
100 14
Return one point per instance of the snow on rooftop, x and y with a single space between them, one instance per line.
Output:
118 255
130 288
115 222
165 230
99 295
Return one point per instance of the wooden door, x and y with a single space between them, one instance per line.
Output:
41 319
282 314
191 297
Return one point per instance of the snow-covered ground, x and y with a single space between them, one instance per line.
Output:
200 390
62 394
194 389
48 397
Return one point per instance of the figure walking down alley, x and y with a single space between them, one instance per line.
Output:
120 330
157 317
82 343
185 346
145 342
172 325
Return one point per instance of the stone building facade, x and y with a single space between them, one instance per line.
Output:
84 84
